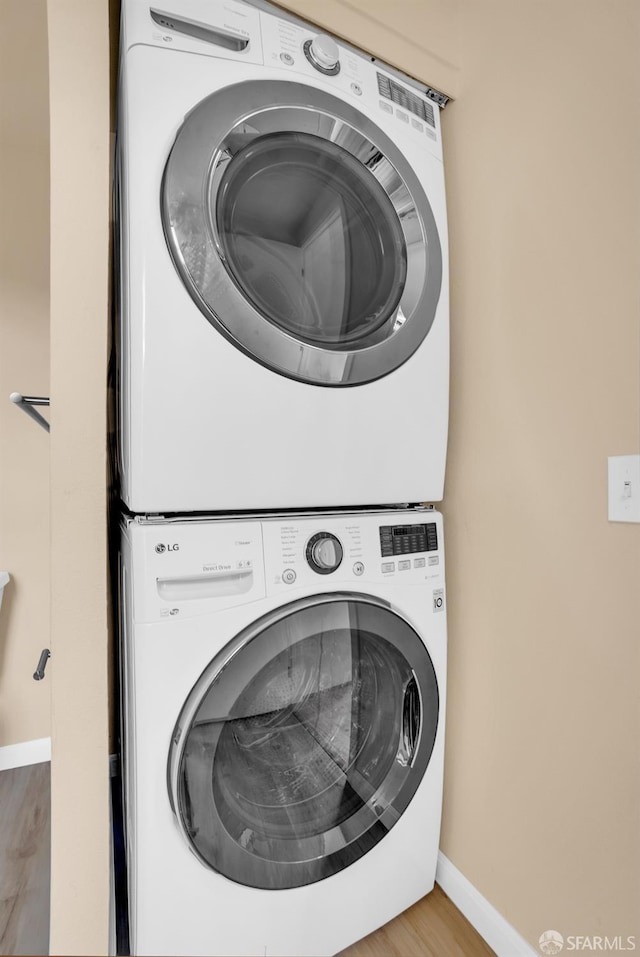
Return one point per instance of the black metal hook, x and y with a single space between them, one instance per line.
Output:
38 674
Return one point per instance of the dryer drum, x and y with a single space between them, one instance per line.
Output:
296 755
302 233
312 239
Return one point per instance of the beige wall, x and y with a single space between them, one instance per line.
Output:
543 173
24 366
80 204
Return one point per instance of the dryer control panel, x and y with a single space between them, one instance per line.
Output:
366 83
287 48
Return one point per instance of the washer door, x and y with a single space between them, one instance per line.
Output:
303 742
302 233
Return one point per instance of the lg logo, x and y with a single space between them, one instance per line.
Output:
167 548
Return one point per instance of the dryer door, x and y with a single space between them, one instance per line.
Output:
302 233
303 742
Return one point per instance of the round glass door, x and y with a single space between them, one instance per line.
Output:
311 239
302 233
303 742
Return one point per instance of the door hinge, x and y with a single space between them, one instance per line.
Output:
441 99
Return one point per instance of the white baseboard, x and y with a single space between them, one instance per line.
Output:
27 752
490 924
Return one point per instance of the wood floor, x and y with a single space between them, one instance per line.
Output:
433 927
25 838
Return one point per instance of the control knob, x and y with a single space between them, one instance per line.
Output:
323 53
324 553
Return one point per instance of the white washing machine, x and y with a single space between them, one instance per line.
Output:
284 701
284 282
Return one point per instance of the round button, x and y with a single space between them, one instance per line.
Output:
323 53
287 58
324 553
358 568
356 88
288 576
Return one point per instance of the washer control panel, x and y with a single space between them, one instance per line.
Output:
182 569
352 549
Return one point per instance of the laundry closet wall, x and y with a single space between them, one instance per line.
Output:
81 144
24 366
543 171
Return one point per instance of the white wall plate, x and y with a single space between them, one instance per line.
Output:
624 488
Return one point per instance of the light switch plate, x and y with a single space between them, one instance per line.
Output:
624 488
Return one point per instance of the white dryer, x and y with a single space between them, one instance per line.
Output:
284 701
284 301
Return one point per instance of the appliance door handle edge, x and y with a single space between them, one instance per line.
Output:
411 717
215 584
200 31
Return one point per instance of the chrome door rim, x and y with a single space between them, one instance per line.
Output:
407 776
217 128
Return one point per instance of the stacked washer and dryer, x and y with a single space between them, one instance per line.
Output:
283 390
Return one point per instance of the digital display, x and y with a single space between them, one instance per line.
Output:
408 101
408 539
